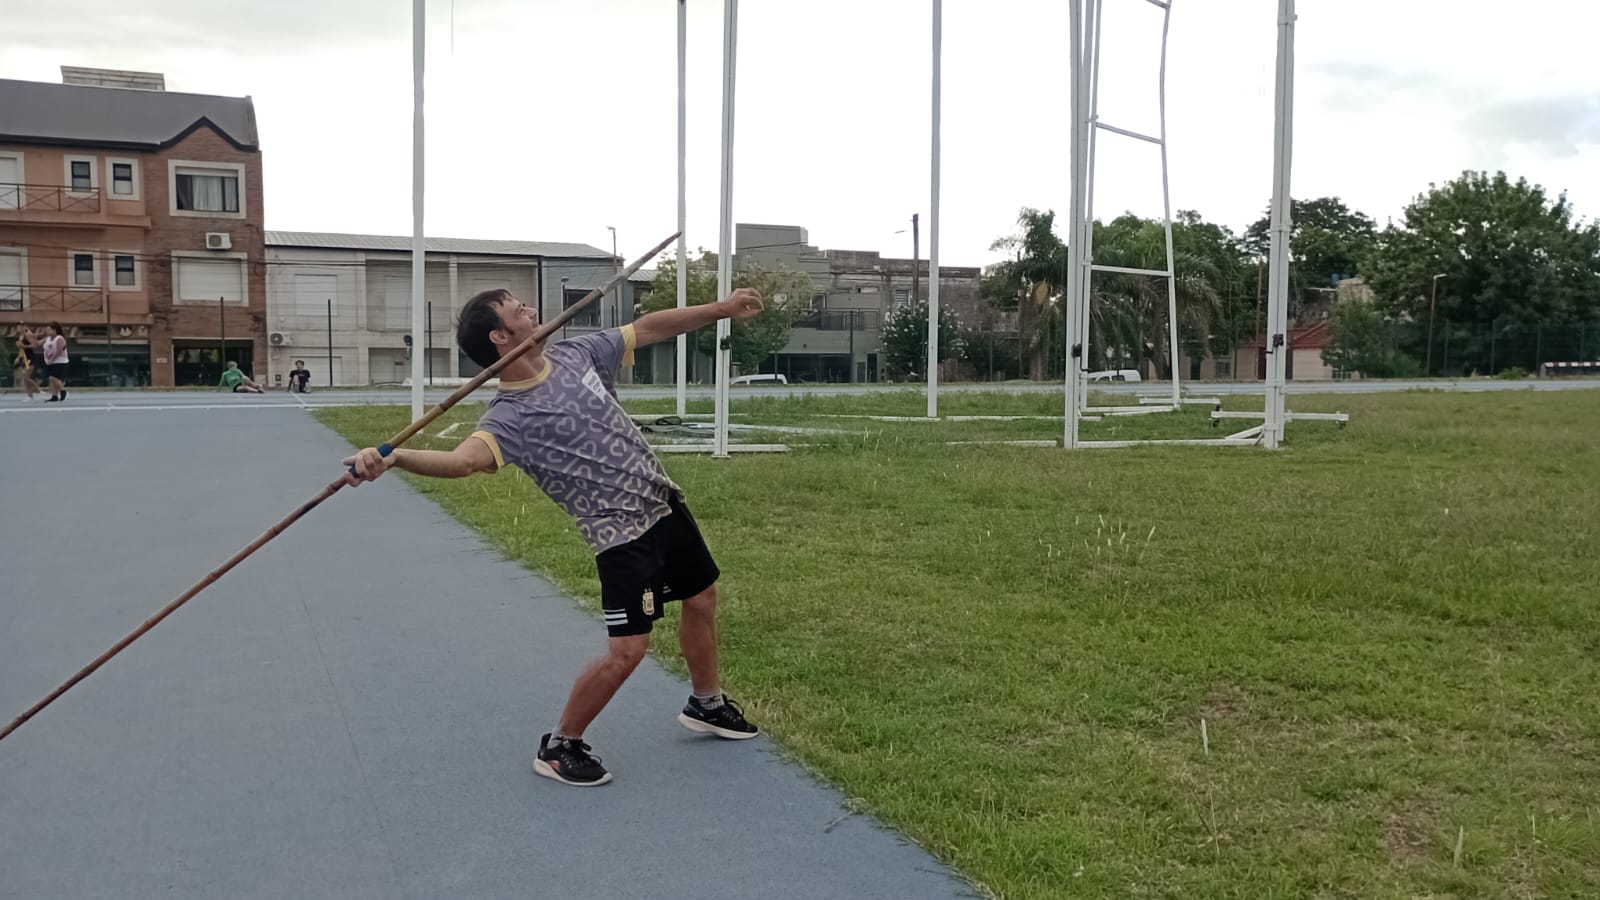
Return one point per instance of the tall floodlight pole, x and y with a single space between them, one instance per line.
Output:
681 376
933 229
730 38
1277 347
419 29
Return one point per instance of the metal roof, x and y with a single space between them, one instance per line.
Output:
394 244
76 114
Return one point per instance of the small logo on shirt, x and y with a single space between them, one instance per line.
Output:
649 602
591 380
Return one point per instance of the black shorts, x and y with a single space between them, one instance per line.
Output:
58 371
670 562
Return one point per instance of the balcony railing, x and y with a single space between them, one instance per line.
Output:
48 198
841 320
36 298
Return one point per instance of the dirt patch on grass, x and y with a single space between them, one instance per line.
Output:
1410 833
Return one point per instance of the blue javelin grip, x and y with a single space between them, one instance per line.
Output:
383 450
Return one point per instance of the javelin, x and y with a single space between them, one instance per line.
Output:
385 449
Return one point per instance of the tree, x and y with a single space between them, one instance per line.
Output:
1130 314
1128 318
991 356
1327 241
1029 283
1362 340
905 338
785 293
1507 254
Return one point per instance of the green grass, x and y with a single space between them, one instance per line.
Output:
1392 632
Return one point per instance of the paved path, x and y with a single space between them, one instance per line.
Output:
207 399
352 712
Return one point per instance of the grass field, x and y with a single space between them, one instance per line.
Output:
1391 633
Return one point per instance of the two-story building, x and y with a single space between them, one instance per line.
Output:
132 216
341 303
841 336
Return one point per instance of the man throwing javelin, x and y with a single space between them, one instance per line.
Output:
556 417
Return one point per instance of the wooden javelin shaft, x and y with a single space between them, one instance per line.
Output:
539 337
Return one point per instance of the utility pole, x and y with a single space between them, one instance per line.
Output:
916 259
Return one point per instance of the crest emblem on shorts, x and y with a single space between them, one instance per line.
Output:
649 602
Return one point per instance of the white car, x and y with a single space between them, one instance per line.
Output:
1115 375
765 378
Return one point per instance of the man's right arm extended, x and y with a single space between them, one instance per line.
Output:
468 458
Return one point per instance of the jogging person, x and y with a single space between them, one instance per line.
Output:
556 417
55 362
28 359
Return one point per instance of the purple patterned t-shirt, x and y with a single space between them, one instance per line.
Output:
566 429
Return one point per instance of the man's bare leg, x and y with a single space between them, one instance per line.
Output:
599 682
697 638
708 711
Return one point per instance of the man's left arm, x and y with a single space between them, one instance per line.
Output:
741 306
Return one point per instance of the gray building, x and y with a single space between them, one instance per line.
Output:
840 338
343 301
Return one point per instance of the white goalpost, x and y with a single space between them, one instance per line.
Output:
1085 17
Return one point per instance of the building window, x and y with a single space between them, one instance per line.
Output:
312 294
902 296
590 317
1224 368
124 271
122 179
201 191
83 269
209 279
396 303
82 174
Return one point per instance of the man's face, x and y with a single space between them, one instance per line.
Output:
517 320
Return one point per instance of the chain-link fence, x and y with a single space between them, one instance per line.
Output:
1543 348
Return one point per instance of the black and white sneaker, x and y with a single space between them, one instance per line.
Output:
724 721
569 762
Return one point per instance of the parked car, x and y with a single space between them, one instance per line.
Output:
764 378
1115 375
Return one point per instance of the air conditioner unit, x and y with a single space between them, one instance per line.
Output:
219 240
278 339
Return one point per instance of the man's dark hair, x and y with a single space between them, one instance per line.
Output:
479 317
56 326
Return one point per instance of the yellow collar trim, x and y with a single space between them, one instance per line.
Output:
535 381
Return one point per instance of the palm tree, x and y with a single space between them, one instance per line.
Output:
1130 313
1030 282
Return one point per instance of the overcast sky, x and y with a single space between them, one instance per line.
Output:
552 119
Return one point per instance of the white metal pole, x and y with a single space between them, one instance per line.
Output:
1278 253
1090 67
1074 298
681 377
1166 221
730 38
1082 233
933 228
419 31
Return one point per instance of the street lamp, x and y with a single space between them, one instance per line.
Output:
616 292
563 305
1433 305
